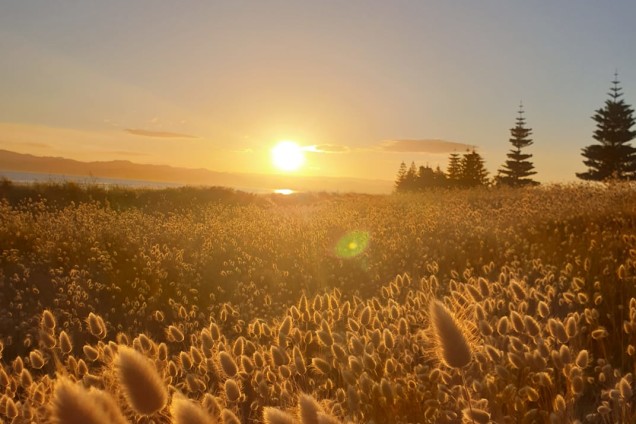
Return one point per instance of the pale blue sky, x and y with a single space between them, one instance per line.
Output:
242 75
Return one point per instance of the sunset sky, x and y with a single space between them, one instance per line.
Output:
362 85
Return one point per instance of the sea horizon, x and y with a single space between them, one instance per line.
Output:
19 177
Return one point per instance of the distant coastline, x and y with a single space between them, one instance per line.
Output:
29 168
39 177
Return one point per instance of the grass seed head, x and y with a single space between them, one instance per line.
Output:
325 337
11 409
276 416
559 404
229 417
228 365
107 403
308 409
299 361
174 334
232 390
25 378
625 389
90 352
212 405
65 343
96 325
141 383
5 380
185 360
320 365
279 357
476 415
72 404
185 411
451 343
36 359
48 321
503 326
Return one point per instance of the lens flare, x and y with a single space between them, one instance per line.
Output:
352 244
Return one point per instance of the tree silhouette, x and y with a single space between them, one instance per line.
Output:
411 178
613 157
440 177
473 171
518 168
454 170
401 177
468 171
425 178
428 177
407 178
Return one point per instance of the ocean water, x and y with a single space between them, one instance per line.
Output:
34 177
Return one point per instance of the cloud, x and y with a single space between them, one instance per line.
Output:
157 134
37 145
424 146
125 153
328 148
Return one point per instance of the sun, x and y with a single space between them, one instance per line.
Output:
288 156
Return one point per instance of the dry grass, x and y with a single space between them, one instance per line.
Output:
246 313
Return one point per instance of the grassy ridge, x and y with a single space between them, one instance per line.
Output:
189 277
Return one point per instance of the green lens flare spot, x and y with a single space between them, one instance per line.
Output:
352 244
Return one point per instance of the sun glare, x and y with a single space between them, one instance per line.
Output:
288 156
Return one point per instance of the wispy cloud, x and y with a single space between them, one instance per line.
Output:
35 144
125 153
328 148
157 134
424 146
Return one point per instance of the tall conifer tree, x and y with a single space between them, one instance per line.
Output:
473 171
410 183
613 157
454 170
517 169
400 178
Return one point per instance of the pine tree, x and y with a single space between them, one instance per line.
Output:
614 157
454 170
410 182
414 179
518 168
473 171
401 178
425 178
440 177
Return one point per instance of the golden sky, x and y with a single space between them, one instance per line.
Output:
360 85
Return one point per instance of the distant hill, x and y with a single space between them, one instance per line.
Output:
19 162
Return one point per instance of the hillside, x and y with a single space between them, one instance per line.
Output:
12 161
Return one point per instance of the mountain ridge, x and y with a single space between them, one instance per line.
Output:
125 169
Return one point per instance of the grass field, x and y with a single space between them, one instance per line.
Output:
208 305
